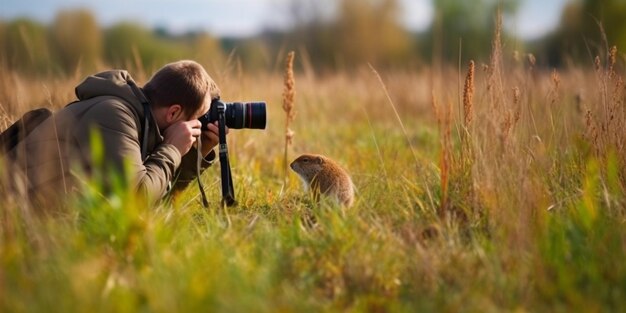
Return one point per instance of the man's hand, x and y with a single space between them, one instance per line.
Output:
210 138
182 135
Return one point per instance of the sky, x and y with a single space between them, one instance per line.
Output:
247 17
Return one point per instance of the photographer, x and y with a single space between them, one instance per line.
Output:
116 127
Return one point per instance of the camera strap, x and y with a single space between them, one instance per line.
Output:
228 192
205 202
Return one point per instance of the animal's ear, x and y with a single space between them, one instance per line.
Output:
319 160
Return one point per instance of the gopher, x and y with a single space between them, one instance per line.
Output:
321 175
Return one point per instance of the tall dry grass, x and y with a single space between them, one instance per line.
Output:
513 202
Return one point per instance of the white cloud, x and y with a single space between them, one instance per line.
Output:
417 15
536 18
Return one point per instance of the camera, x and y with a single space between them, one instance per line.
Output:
237 115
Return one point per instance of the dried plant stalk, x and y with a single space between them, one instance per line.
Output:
289 94
612 61
468 94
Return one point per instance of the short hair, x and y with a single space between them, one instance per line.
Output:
184 82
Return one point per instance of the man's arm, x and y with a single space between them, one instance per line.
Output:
189 170
119 132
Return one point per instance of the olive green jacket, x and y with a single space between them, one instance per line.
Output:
100 136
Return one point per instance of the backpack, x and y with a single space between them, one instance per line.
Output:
21 128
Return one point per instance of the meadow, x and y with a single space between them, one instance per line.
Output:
485 187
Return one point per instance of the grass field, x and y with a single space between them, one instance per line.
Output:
502 190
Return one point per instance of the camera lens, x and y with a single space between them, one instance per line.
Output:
246 115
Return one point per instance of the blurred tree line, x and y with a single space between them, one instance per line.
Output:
354 33
588 28
75 42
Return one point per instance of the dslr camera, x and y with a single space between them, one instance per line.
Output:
237 115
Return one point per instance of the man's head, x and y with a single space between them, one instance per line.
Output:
180 91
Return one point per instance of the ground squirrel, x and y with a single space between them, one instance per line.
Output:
322 175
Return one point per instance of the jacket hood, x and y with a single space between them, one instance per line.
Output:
109 83
116 83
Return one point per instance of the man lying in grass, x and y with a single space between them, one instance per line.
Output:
146 135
